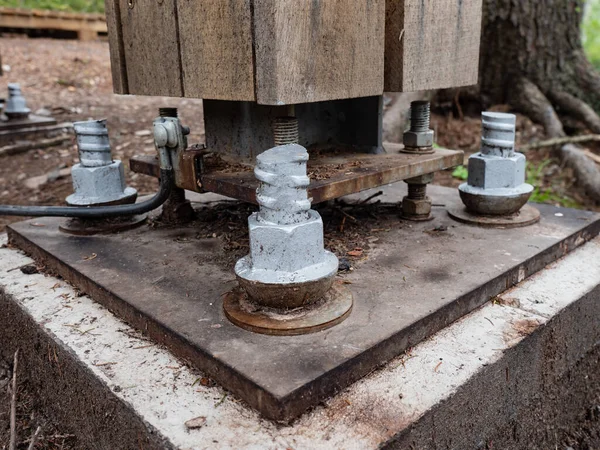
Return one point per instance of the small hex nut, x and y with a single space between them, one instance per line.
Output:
416 139
412 207
496 172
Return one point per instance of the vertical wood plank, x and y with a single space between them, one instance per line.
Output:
308 51
117 52
432 44
150 40
216 49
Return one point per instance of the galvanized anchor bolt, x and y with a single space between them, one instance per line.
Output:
419 138
288 266
16 106
97 179
496 183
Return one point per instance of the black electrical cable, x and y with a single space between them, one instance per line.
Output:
167 179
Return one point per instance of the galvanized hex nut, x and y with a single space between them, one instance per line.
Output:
417 139
286 248
411 207
494 172
99 185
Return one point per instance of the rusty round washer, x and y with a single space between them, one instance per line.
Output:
417 218
417 150
333 308
90 227
527 215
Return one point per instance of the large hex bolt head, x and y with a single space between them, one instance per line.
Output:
16 106
100 185
288 266
496 183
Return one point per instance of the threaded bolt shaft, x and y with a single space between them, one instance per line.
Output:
420 116
93 143
285 130
167 112
417 191
282 193
498 134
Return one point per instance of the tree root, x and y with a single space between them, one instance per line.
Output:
578 109
528 98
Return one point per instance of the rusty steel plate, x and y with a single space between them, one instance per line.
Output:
527 215
333 173
332 309
418 277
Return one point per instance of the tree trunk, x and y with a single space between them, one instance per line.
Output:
539 40
532 58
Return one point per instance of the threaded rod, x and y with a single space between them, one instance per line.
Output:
420 115
417 191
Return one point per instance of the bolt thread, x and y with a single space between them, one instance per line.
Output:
93 143
420 116
498 134
282 193
167 112
285 130
417 191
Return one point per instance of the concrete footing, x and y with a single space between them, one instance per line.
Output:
511 374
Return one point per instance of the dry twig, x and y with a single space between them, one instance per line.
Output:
34 438
13 405
560 141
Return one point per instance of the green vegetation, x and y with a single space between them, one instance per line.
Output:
87 6
591 32
461 172
535 177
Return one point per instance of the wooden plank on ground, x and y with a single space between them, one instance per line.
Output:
308 51
46 20
118 64
432 44
150 38
216 49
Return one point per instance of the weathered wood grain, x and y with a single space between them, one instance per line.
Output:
308 51
216 49
117 52
431 44
150 41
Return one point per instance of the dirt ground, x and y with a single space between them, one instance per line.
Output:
72 80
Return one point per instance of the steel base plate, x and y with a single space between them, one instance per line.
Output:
527 215
418 277
327 312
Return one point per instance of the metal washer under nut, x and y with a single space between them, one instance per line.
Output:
332 309
527 215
